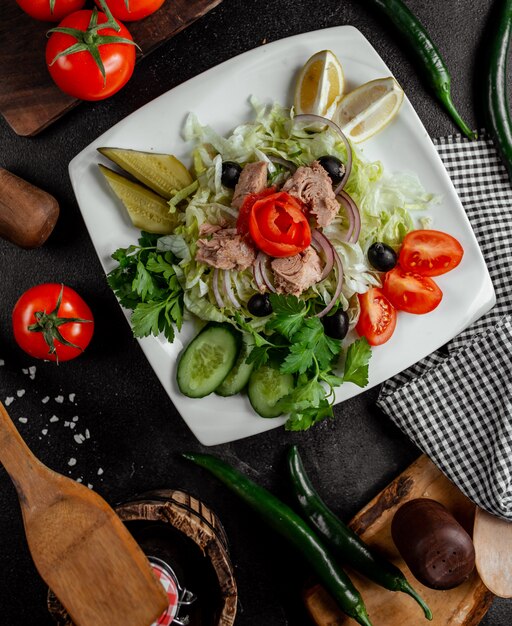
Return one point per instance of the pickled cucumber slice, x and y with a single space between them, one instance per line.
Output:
163 173
146 209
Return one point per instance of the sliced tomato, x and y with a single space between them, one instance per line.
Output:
411 292
430 252
242 222
377 319
278 225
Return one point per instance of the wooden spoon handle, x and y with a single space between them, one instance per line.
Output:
21 465
27 214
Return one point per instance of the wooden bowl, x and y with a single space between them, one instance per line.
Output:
179 529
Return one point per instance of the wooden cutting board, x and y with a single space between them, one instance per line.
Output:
29 100
463 606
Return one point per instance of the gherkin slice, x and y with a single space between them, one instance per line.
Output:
163 173
147 210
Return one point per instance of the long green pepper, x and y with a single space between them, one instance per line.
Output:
427 54
294 529
348 545
497 109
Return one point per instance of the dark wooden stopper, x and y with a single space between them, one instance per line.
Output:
437 550
27 214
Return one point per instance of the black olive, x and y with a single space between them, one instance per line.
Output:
230 174
382 257
336 325
259 305
334 167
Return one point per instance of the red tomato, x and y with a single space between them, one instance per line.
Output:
52 322
50 10
78 74
377 319
430 252
411 292
242 223
130 10
278 225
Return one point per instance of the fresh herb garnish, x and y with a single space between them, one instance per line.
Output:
145 281
297 340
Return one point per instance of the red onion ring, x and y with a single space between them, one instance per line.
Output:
259 270
309 117
354 217
339 285
215 287
226 278
256 271
321 243
280 161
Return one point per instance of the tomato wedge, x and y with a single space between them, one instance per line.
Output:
377 319
411 292
278 225
430 252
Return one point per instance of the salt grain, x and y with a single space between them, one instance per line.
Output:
44 431
59 399
9 401
71 462
45 399
79 438
87 434
20 393
89 485
72 397
2 362
75 419
71 425
66 424
54 418
78 480
25 371
23 420
32 372
100 471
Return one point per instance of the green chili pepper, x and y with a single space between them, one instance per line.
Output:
427 53
348 545
282 519
497 110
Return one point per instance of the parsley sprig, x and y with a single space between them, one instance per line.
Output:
297 340
145 281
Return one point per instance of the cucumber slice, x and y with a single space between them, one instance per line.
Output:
239 376
207 360
146 209
162 173
266 387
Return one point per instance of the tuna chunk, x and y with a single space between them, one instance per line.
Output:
226 250
313 186
253 179
294 274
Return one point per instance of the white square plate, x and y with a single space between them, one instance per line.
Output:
219 97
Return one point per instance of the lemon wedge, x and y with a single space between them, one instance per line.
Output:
320 85
368 109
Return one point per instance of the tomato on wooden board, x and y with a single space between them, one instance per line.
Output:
50 10
377 319
430 252
278 225
93 62
130 10
52 322
411 292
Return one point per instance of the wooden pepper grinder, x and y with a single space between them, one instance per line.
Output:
27 214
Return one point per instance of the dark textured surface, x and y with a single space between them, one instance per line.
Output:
136 435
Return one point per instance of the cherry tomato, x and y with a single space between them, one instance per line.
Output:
377 319
430 252
50 10
411 292
78 74
278 225
130 10
52 322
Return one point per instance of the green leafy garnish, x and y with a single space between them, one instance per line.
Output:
356 363
146 282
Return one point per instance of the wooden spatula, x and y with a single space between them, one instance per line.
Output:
492 537
79 545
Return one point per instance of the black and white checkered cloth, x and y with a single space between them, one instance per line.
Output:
456 404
